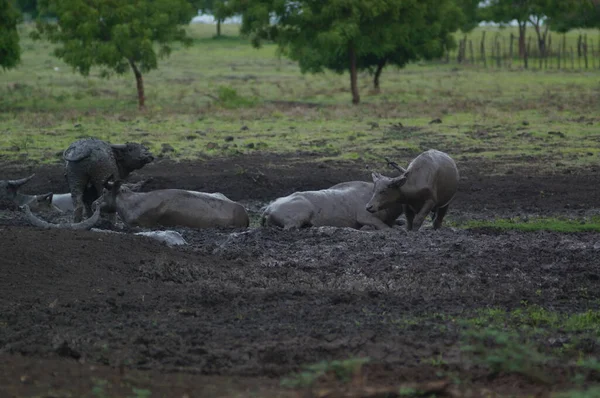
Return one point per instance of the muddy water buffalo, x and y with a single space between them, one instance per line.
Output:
174 207
342 205
427 185
64 203
9 192
93 161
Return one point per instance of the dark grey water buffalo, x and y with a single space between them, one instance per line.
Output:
93 161
342 205
174 207
64 203
427 185
9 192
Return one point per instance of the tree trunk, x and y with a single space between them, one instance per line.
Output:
541 36
354 76
218 28
140 84
378 71
522 31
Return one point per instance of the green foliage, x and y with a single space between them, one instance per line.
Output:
502 351
343 370
537 224
10 51
329 35
28 7
114 35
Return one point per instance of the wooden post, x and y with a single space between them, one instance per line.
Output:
471 53
593 58
510 51
498 54
482 50
579 50
549 52
559 51
526 55
572 58
585 51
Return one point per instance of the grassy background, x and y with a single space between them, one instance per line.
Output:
223 87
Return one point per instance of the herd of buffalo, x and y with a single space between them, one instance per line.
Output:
96 171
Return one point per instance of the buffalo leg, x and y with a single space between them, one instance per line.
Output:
410 216
77 206
373 222
439 217
420 217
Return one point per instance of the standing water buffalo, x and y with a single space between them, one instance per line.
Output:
93 161
342 205
427 185
173 207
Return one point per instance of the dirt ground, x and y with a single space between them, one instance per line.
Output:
234 311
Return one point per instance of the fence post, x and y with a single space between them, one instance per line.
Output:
593 58
526 58
527 52
549 52
482 49
579 45
559 51
471 53
585 51
510 50
572 58
498 54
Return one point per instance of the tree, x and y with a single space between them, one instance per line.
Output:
352 35
10 51
534 12
28 7
219 9
115 35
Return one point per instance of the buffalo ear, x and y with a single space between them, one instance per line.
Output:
376 176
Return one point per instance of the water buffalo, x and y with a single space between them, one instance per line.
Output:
84 225
342 205
173 207
9 192
427 185
64 203
93 161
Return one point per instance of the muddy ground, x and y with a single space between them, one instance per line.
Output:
238 310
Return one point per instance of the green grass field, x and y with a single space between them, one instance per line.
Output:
212 89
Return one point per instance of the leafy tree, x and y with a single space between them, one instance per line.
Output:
10 51
584 14
28 7
115 35
352 35
219 9
534 12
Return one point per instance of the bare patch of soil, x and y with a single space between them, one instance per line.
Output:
260 303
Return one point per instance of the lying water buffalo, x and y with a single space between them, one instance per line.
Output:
86 224
9 192
93 161
342 205
427 185
174 207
